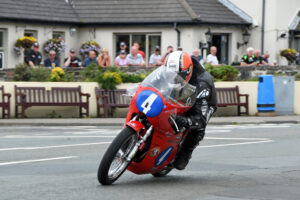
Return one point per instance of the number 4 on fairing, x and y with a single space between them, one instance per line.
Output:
148 103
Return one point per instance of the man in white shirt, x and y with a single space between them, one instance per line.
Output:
212 58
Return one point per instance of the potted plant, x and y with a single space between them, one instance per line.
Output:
58 45
289 54
25 42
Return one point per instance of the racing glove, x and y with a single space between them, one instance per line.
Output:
183 121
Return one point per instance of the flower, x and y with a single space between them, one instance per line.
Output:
57 45
89 46
57 74
289 54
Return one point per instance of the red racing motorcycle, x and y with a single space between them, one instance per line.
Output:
150 140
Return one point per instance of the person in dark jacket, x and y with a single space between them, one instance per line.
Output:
198 116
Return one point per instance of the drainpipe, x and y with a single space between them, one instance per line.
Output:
263 26
178 34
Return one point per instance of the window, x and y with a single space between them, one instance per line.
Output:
57 34
1 49
29 33
297 47
147 42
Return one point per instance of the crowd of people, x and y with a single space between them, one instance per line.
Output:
136 57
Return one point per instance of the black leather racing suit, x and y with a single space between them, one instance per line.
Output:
198 116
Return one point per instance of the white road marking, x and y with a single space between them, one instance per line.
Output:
51 147
228 138
234 144
57 136
37 160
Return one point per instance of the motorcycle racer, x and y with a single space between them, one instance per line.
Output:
198 116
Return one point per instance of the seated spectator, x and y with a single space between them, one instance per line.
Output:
72 60
249 58
91 59
258 58
122 60
138 47
155 58
34 57
51 61
212 58
135 59
104 58
170 49
196 55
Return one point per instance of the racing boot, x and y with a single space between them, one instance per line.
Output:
185 153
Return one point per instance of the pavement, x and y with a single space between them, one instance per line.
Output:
233 162
295 119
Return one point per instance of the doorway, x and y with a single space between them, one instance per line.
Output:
221 42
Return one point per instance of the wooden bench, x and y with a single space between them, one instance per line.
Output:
108 99
5 102
232 97
26 97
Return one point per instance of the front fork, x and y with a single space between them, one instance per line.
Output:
138 127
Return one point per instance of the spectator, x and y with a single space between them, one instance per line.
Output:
72 60
139 51
196 55
104 58
123 46
135 59
212 58
258 59
266 59
155 58
51 61
91 59
122 60
179 49
34 57
170 49
249 58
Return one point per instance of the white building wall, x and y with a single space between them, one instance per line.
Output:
44 32
278 16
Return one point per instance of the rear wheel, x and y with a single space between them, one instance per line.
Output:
114 163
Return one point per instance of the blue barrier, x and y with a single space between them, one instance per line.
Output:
265 94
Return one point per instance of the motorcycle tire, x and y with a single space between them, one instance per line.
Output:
114 155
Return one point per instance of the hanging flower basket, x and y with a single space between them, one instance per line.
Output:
289 54
88 46
25 42
57 45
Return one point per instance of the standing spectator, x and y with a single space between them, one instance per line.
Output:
212 58
155 58
196 55
258 58
179 49
51 62
123 46
91 59
249 58
138 47
170 49
104 58
34 57
135 59
122 60
72 60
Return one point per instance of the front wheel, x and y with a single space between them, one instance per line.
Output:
114 162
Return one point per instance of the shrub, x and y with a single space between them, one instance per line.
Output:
109 80
40 74
22 72
222 73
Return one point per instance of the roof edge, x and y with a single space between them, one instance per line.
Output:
237 11
189 10
295 22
